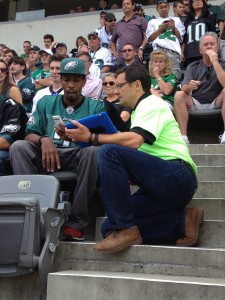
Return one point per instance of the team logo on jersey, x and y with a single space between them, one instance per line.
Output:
27 92
71 65
31 120
10 128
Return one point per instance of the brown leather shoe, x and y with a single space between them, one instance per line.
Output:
193 219
119 240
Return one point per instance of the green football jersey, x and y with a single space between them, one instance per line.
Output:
42 123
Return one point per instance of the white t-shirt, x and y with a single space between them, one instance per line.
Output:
166 39
102 57
41 93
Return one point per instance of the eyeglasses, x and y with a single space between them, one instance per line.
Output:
92 38
112 20
3 70
120 85
110 83
127 50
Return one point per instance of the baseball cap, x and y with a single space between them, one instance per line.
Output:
72 65
138 6
162 1
94 33
48 51
35 48
110 16
61 44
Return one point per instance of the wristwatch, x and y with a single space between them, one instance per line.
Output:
141 49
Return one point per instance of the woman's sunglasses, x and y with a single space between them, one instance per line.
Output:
110 83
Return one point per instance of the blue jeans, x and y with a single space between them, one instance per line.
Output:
5 168
158 207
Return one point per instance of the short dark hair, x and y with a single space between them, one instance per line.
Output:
82 53
54 58
137 71
130 44
12 51
48 36
20 61
176 2
27 42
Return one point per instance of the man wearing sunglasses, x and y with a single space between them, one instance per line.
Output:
105 32
129 57
203 86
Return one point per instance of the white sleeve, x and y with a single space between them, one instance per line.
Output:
150 29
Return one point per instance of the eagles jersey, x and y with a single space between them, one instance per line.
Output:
194 30
12 120
42 123
27 89
171 79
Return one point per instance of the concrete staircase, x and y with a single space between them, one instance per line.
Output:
154 272
144 271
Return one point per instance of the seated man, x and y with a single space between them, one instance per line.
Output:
44 151
129 57
203 84
101 56
12 127
93 85
154 156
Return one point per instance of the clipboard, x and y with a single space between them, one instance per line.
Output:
98 123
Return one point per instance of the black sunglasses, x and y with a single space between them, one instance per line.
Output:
3 70
127 50
112 20
110 83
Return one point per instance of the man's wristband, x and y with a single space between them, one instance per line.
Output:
141 49
39 140
95 141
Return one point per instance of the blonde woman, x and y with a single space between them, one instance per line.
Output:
111 92
163 81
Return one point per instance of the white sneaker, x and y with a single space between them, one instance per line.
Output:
186 140
222 138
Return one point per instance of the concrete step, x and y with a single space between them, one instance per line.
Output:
209 159
147 259
214 208
206 149
210 189
211 173
71 285
211 233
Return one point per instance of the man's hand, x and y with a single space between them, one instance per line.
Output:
60 130
80 134
172 24
194 84
50 155
213 56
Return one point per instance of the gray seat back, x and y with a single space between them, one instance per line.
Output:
21 199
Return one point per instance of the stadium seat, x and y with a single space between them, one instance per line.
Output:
30 221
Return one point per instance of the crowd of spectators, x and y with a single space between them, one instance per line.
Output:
164 44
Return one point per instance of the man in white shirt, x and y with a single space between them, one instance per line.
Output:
166 33
56 86
100 55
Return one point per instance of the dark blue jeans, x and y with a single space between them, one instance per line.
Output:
158 207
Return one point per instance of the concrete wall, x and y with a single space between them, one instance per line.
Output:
64 28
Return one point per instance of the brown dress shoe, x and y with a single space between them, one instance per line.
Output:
193 219
119 240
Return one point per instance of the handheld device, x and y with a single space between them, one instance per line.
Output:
99 123
57 119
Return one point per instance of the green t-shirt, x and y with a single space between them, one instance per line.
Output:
153 115
40 74
170 79
41 122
